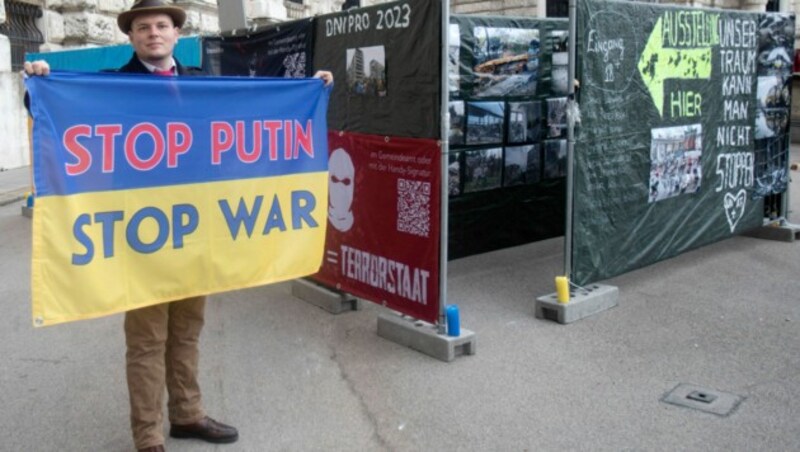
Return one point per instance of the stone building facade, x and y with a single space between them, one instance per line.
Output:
540 8
64 24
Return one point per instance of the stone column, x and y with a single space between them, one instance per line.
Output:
477 7
201 16
264 12
15 151
520 7
690 2
724 4
85 24
112 9
261 12
331 6
794 8
52 27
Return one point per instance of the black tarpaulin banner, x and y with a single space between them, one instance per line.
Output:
283 50
386 63
507 158
672 102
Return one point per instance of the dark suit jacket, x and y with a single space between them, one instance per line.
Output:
136 67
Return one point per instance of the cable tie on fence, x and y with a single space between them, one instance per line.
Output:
581 288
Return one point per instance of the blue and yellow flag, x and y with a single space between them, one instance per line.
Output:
152 189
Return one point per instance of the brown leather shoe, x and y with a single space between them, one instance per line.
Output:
159 448
206 429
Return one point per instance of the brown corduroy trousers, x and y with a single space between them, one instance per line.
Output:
163 352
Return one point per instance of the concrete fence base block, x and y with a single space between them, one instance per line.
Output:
784 233
583 303
12 196
27 212
423 337
325 298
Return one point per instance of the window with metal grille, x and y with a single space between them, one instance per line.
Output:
560 8
351 4
294 9
20 28
557 8
773 5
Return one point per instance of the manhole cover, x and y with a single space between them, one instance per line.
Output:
703 399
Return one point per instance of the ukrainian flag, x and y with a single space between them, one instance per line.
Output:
152 189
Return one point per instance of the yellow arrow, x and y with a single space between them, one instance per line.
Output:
658 64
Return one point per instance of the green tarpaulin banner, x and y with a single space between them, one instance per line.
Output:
674 104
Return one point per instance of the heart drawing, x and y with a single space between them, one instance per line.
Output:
734 207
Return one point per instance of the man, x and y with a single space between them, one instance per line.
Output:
162 340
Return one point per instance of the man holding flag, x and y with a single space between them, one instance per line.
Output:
162 340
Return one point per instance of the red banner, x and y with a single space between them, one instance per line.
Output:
382 242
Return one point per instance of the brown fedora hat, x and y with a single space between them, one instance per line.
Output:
150 7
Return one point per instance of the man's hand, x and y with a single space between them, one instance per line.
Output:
38 67
325 76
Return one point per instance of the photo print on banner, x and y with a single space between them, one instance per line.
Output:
555 158
522 165
366 71
457 122
506 61
483 169
454 173
774 68
560 67
557 117
485 122
772 116
524 122
675 161
454 55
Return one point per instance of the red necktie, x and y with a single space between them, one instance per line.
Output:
168 72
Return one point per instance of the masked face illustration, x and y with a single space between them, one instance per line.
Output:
341 185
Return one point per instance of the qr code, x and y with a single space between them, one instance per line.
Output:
414 207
